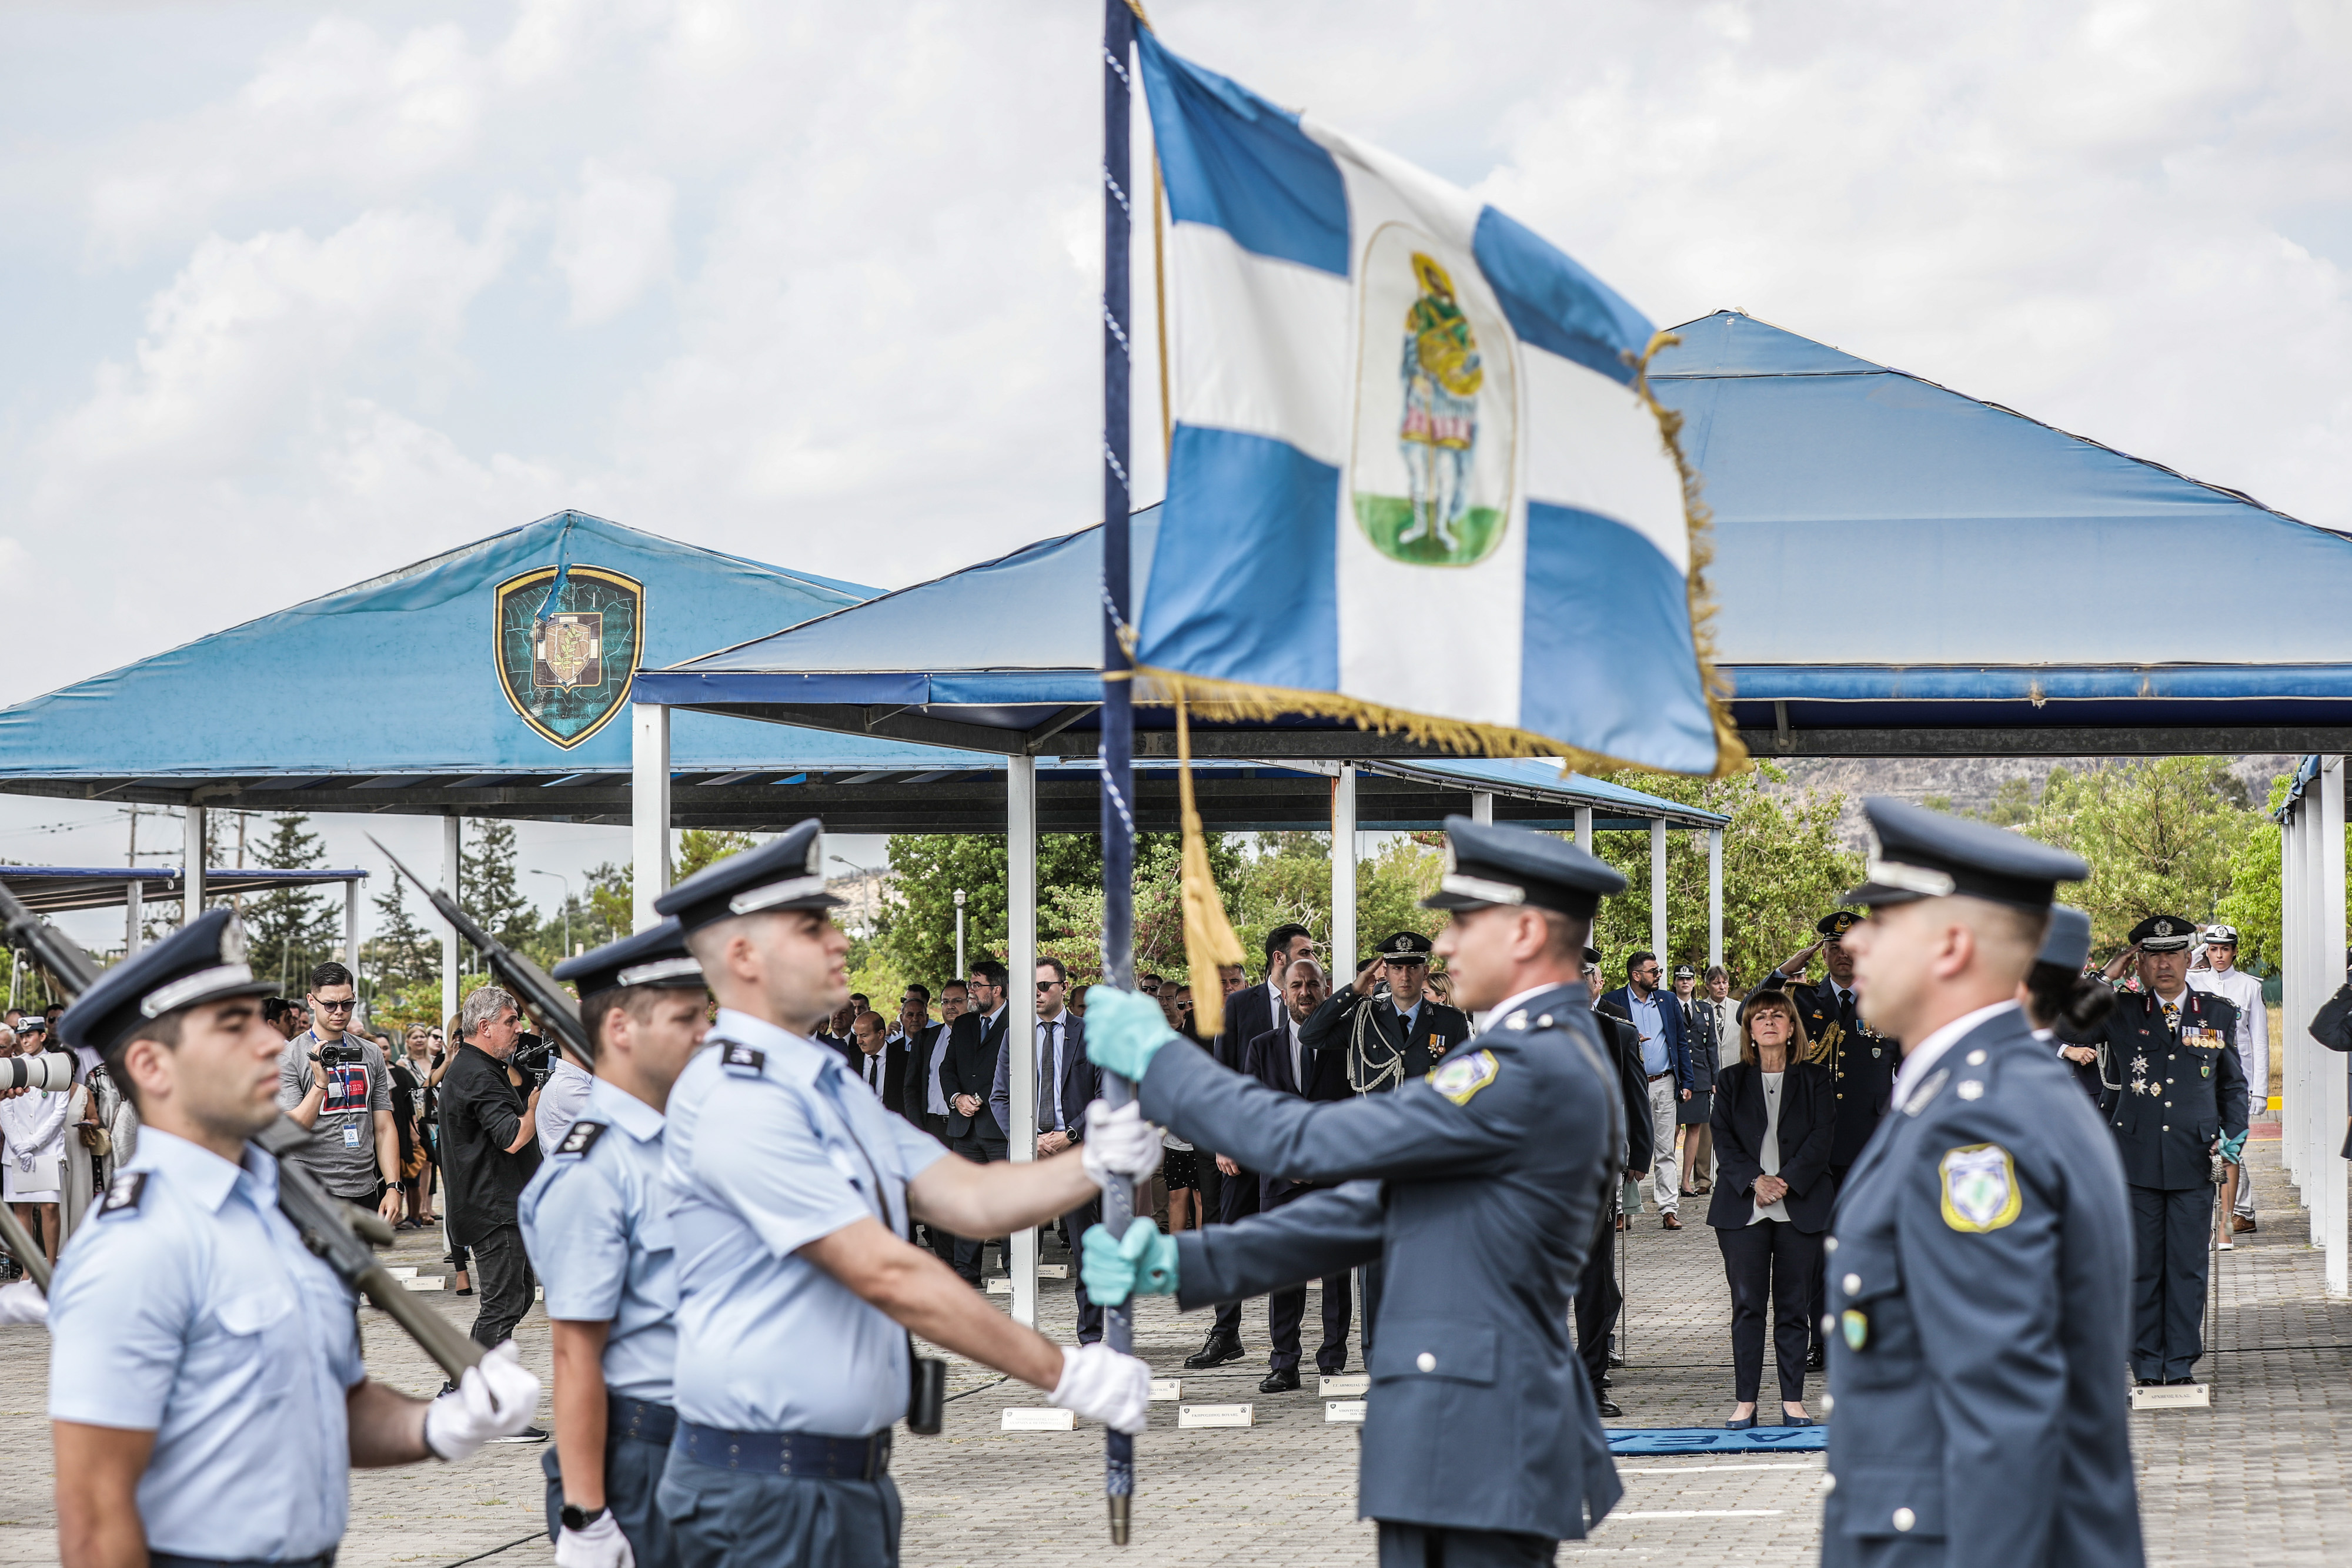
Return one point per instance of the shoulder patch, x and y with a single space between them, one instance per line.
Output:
1463 1076
1925 1092
742 1058
122 1194
582 1138
1980 1190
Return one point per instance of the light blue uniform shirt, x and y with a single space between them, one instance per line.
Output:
1653 1030
760 1161
596 1225
201 1316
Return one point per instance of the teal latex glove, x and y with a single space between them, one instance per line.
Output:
2232 1147
1124 1032
1142 1265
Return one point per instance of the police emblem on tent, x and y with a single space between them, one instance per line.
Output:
568 641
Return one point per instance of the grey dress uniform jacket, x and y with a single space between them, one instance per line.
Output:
1980 1282
1478 1188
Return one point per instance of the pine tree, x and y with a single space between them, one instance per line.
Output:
490 888
289 931
402 953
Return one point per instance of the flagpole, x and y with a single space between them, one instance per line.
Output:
1118 711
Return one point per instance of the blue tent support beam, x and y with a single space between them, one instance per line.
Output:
2312 1079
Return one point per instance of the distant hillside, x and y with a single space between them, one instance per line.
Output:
1971 782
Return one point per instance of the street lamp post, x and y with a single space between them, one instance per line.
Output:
866 914
959 933
567 906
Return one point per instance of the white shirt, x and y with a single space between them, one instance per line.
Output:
2244 992
1920 1057
869 1068
1050 1034
1298 1052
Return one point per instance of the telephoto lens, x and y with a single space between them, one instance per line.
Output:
48 1070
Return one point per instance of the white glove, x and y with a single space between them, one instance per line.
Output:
1104 1385
23 1302
601 1545
494 1400
1120 1145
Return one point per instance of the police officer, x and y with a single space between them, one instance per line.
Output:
1391 1028
1980 1258
1480 1182
2179 1097
1862 1064
205 1388
598 1235
792 1193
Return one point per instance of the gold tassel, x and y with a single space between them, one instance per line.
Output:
1209 940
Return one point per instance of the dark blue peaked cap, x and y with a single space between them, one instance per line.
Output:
2068 945
1917 853
654 956
785 872
204 961
1489 864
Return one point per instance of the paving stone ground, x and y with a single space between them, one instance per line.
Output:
2258 1478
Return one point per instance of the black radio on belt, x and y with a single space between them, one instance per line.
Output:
926 1393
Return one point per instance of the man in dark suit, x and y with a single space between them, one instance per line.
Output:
881 1064
1657 1021
837 1031
969 1077
1598 1299
1066 1082
1281 1060
1249 1012
922 1101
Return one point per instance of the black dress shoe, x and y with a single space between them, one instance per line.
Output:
1606 1382
1608 1409
1816 1358
1282 1381
1215 1351
1616 1359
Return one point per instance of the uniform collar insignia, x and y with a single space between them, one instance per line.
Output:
1926 1092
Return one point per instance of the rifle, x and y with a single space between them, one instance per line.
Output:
343 1236
540 996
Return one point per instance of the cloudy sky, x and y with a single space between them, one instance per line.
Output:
295 294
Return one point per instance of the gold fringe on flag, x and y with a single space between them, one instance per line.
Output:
1209 940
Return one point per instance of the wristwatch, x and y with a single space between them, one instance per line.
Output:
577 1518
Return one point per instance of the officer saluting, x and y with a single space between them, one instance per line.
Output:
204 1379
596 1225
2180 1098
791 1192
1387 1022
1981 1258
1482 1446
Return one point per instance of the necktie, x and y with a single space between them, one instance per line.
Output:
1049 1100
1297 1060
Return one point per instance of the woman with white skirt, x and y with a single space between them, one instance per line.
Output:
32 1165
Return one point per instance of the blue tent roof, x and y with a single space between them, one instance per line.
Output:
1899 569
1890 554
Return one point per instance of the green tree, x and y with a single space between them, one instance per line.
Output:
2161 836
2257 898
611 903
699 848
490 889
1783 868
402 953
289 931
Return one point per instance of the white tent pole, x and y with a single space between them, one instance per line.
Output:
192 870
1715 895
1482 806
351 928
1021 1015
452 846
648 811
1658 890
134 920
1341 959
2331 1100
2291 966
1584 829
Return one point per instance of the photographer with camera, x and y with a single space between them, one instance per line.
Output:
340 1087
489 1151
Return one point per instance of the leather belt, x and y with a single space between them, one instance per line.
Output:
811 1455
639 1420
1669 1072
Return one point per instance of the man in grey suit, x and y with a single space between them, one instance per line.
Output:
1066 1082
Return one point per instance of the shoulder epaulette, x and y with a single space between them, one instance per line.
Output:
124 1193
580 1138
742 1058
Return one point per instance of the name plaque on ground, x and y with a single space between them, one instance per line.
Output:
2173 1396
1347 1386
1343 1409
1001 1285
1052 1270
437 1283
1214 1416
1167 1388
1036 1419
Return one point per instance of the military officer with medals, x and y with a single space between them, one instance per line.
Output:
2179 1099
1862 1061
1392 1029
596 1224
1479 1185
792 1194
1980 1260
205 1388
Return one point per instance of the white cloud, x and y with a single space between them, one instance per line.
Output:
613 240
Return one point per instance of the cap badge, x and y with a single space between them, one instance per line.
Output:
2164 928
232 942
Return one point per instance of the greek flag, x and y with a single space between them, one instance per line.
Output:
1416 478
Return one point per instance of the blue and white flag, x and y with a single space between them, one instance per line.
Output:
1415 478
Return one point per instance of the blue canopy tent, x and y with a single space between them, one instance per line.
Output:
1905 570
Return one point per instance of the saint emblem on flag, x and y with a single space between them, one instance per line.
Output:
1437 491
567 643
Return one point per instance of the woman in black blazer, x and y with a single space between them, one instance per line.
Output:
1774 1113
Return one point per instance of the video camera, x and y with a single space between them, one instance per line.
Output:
339 1053
534 1057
